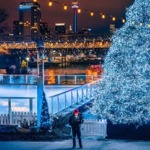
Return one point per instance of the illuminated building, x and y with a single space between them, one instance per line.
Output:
16 28
29 20
44 30
60 28
75 11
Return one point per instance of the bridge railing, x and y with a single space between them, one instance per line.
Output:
70 79
18 79
48 79
72 97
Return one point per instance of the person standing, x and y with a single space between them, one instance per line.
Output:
75 121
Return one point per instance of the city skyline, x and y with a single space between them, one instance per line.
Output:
56 14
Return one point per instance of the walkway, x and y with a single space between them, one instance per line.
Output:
89 144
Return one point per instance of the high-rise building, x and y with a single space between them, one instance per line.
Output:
60 28
75 9
29 20
44 28
16 28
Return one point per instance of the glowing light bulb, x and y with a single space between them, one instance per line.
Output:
103 16
92 13
113 19
50 3
65 7
123 20
79 10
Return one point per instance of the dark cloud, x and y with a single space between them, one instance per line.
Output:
57 14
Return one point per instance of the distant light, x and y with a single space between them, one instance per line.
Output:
123 20
75 5
113 19
133 22
65 7
24 7
50 3
11 34
79 10
89 29
141 24
103 16
27 58
59 24
92 13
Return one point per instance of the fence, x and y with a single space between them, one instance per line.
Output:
71 97
88 128
94 128
49 79
17 118
18 79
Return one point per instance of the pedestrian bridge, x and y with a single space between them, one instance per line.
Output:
75 97
61 104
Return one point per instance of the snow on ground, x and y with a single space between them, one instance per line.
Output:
25 91
88 144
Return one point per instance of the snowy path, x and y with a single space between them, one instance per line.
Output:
88 144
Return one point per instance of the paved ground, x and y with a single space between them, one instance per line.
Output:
88 144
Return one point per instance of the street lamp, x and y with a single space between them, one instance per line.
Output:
27 59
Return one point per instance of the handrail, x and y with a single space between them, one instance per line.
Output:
72 97
48 79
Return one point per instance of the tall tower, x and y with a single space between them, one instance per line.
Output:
29 19
75 9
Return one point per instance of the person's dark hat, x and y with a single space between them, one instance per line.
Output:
76 111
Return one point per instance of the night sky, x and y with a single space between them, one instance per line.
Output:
56 14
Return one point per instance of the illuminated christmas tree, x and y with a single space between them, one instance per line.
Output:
123 94
45 118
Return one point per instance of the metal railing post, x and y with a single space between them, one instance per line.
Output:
71 97
77 96
10 79
26 79
52 105
90 90
65 100
58 103
30 105
9 110
86 92
92 78
58 79
82 94
75 79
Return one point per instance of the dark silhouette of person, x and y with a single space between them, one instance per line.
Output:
75 121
